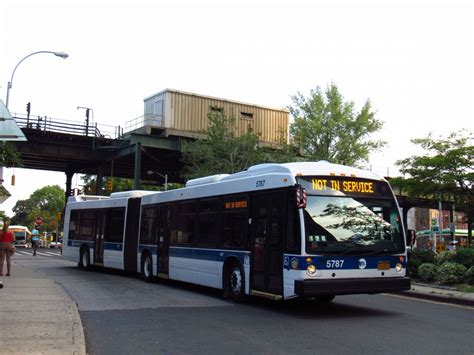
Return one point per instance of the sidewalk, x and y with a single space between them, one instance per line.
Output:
37 316
439 293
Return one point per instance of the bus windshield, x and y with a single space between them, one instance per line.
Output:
362 221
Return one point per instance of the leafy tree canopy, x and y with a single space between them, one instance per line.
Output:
8 155
221 151
327 128
45 202
445 172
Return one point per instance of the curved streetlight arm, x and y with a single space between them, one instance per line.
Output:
9 86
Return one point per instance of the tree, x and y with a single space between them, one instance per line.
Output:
327 128
45 202
445 173
221 151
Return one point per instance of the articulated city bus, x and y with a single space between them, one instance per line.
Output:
279 231
22 235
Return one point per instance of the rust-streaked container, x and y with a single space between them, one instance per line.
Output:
184 114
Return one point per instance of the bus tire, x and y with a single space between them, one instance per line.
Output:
235 283
147 268
84 258
325 298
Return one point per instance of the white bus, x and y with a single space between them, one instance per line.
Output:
22 236
280 231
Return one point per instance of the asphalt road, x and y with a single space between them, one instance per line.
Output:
121 314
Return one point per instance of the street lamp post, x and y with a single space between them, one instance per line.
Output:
9 86
150 172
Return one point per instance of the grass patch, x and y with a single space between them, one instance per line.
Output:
465 288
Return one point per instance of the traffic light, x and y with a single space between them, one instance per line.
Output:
58 216
87 114
28 109
110 185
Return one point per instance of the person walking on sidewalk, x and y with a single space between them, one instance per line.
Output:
6 247
35 240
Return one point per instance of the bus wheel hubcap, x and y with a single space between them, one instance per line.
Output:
236 281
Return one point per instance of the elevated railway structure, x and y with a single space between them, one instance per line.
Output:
74 147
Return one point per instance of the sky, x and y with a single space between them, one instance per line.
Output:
412 59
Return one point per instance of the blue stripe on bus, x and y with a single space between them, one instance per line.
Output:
152 248
91 244
207 254
297 262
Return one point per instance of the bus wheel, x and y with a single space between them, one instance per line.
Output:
147 268
84 262
235 283
325 298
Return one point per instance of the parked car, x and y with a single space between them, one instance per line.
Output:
55 245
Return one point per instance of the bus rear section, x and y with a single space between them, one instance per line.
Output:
103 231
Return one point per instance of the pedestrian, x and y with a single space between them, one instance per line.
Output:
7 249
35 240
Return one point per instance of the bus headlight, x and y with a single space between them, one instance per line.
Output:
399 267
311 270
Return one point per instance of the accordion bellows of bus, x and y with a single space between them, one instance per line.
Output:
280 231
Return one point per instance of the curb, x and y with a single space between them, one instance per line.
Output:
437 297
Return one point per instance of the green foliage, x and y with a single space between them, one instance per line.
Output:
8 155
470 275
45 202
464 256
445 171
221 151
327 128
451 273
447 256
427 272
419 257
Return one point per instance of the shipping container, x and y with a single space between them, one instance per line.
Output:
184 114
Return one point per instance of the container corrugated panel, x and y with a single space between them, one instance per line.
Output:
188 113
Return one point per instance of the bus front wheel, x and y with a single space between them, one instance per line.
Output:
325 298
235 284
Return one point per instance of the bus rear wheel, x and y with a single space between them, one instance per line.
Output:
84 261
235 284
147 268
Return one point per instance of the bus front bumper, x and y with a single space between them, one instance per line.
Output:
351 286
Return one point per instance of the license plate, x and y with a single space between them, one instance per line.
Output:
383 265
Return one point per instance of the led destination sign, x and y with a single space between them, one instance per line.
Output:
341 185
344 186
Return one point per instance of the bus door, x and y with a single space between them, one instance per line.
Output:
269 225
99 239
164 234
130 248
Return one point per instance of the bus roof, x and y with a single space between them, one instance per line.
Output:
22 228
321 167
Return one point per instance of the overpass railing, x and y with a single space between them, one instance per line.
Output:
50 124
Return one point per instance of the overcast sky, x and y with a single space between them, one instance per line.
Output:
412 59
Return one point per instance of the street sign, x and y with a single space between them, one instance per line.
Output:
39 221
440 248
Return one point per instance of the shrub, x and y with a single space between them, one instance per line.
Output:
451 273
444 257
470 275
418 257
464 256
427 272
